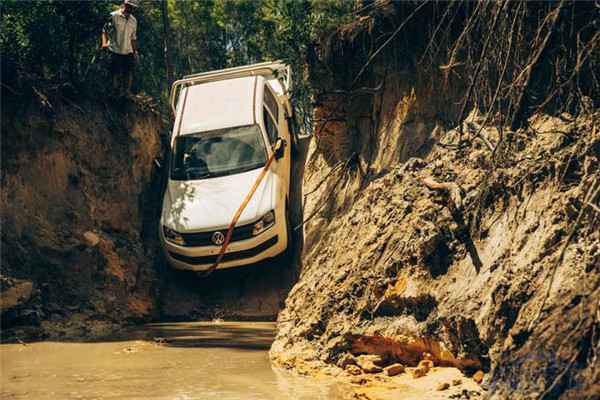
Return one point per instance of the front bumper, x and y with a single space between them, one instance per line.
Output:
266 245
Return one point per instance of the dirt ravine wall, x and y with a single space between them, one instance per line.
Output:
501 274
76 206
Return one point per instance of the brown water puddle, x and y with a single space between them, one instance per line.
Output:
170 361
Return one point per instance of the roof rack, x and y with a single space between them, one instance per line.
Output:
269 68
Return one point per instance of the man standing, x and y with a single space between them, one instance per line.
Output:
119 36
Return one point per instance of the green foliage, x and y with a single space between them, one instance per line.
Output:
53 39
58 40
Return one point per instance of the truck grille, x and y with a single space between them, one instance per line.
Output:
237 255
199 239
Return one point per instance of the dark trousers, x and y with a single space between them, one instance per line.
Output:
121 64
121 67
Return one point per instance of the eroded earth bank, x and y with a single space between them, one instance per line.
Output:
77 199
474 247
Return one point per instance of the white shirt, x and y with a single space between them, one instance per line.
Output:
123 31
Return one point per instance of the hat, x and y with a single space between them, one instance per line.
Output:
132 3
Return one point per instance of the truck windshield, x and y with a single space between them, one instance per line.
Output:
217 153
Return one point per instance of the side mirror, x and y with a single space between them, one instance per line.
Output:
279 148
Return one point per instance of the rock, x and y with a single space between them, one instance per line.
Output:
160 341
358 380
394 369
353 369
345 360
465 395
443 386
370 363
426 364
478 376
413 164
456 382
91 238
417 372
374 358
368 366
331 371
337 345
16 295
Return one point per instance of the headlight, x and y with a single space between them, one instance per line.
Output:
173 236
267 221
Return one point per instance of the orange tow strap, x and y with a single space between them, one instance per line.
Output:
238 214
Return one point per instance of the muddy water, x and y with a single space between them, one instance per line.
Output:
173 361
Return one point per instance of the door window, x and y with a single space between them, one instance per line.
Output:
271 103
270 126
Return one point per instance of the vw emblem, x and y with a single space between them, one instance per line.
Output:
218 238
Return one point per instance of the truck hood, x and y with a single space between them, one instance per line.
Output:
210 204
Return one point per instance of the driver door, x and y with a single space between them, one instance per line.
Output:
276 126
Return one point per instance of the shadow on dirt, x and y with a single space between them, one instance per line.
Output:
246 336
207 334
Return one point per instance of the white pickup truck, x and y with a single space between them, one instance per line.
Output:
228 124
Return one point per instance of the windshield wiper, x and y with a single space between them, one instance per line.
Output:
200 176
194 173
184 175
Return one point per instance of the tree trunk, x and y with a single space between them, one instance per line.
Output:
166 38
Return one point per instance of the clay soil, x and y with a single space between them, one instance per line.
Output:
497 275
